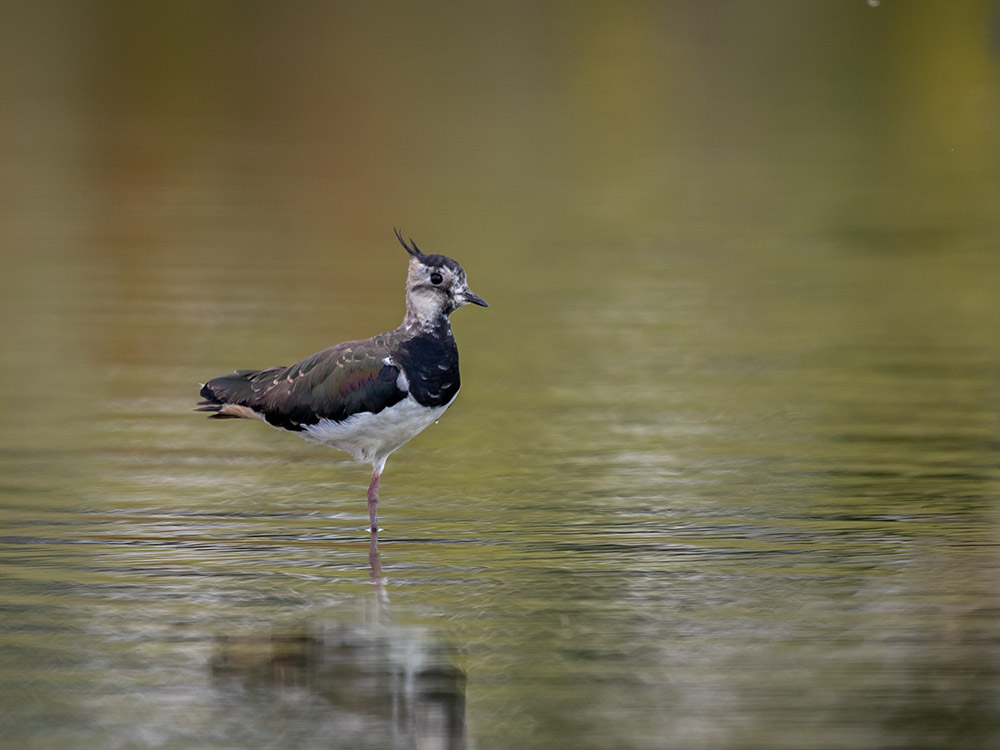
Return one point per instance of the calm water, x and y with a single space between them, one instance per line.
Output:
725 469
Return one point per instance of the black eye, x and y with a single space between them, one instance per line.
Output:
436 278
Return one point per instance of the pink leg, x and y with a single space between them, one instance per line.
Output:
373 500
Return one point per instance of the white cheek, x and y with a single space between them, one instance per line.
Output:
425 304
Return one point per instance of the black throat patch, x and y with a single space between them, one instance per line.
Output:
430 362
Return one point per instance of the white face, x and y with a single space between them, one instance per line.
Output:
436 290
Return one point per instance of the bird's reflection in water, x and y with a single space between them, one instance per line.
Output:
375 562
400 683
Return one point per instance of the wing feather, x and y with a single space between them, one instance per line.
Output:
336 383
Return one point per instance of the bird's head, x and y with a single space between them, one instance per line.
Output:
435 286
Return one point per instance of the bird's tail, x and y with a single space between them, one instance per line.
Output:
230 396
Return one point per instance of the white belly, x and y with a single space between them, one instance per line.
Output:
372 437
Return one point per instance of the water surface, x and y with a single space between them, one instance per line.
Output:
724 469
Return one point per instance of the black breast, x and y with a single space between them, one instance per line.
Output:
430 362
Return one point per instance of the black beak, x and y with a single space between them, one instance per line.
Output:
475 299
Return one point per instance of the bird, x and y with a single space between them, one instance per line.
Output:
367 397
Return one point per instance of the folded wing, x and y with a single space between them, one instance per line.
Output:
335 384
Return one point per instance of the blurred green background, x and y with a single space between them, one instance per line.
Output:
724 470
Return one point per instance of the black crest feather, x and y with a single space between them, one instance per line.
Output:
411 248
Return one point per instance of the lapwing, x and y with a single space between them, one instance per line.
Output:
366 398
